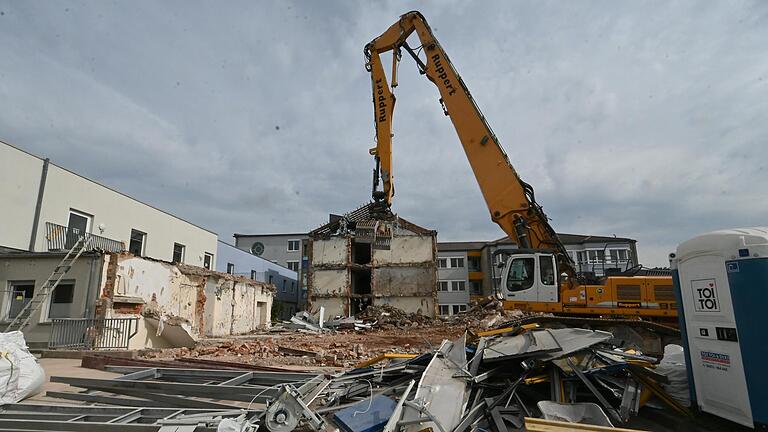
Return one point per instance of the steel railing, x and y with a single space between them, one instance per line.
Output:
63 238
92 333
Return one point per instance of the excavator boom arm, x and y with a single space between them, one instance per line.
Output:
510 200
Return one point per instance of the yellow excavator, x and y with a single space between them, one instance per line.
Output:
540 275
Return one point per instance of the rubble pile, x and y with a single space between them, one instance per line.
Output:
485 314
260 348
388 317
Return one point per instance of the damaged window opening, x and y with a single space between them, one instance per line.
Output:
361 253
361 282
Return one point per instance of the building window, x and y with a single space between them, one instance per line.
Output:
442 286
451 309
294 245
230 268
136 246
619 255
476 287
178 252
283 288
456 309
293 287
450 262
473 263
292 265
61 301
21 293
208 260
270 279
254 275
458 285
581 257
596 256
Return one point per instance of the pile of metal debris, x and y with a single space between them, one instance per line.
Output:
501 380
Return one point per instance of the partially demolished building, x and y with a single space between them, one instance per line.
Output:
178 304
351 269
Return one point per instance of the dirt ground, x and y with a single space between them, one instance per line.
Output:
334 349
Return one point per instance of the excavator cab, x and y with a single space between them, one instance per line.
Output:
530 276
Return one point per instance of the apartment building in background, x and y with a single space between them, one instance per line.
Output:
287 250
469 270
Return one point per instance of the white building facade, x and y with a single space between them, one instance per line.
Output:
42 201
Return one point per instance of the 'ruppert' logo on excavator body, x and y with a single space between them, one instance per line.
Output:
381 102
442 75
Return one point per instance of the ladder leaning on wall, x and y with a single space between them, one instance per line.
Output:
21 320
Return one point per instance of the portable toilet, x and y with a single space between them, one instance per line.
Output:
721 286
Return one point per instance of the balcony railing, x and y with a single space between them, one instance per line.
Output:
63 238
92 333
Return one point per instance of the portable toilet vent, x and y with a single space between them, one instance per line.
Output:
721 285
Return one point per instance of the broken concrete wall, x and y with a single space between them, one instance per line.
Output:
235 307
406 249
179 304
330 252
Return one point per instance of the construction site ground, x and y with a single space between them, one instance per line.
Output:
341 349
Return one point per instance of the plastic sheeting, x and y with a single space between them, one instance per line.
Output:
672 366
21 375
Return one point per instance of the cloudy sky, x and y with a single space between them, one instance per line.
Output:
640 119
